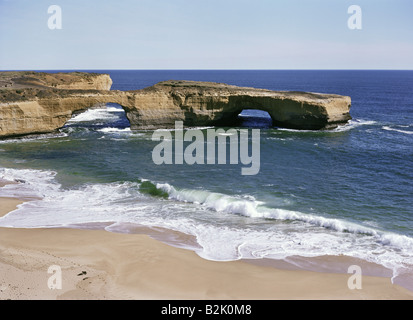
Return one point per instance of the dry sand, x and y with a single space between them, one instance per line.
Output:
96 264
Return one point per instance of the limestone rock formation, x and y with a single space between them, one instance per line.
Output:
33 102
37 102
207 103
59 80
50 110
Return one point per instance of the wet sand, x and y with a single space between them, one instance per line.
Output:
97 264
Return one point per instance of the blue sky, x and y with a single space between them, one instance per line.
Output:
195 34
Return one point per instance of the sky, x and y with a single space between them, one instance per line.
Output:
205 34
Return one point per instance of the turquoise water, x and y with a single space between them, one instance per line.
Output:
346 191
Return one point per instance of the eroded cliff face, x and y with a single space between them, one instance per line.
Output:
59 80
46 114
37 102
99 82
207 103
40 103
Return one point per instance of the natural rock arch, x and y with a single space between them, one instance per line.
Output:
38 108
251 118
100 116
206 103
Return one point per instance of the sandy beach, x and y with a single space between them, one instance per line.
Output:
97 264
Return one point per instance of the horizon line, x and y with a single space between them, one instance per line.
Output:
194 69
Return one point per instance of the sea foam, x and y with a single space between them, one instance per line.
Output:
397 130
257 209
351 124
106 113
203 214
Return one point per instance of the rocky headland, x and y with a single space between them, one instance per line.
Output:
36 102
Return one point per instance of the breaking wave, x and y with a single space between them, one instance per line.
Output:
203 214
396 130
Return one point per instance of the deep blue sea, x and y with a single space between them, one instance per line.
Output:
342 192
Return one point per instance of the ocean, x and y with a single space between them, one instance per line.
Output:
344 192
